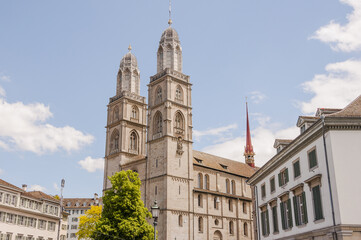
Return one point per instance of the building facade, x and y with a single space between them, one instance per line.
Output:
201 196
76 207
29 215
308 190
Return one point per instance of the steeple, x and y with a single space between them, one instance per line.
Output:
128 75
248 150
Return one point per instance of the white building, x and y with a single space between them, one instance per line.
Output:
29 215
310 188
76 207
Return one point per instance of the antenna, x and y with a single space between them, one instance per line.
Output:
170 13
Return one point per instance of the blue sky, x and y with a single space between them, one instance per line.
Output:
59 60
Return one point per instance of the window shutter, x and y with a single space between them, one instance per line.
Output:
304 208
290 222
267 218
263 223
282 215
279 180
295 208
317 202
286 173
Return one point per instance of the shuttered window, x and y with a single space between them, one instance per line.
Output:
283 177
275 219
317 204
263 190
265 223
272 184
312 159
300 209
296 169
286 214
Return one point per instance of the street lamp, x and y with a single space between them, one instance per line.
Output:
61 206
155 213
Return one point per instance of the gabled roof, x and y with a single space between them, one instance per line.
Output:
72 202
282 142
351 110
218 163
40 195
302 119
9 185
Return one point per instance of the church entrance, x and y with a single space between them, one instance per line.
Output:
217 235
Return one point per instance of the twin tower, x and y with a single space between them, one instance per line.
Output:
154 139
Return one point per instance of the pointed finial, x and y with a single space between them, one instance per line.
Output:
170 13
130 48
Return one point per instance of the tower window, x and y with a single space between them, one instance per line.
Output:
134 112
231 228
200 200
233 187
179 94
227 186
158 97
115 114
200 180
206 181
200 224
114 141
179 121
133 142
158 123
180 220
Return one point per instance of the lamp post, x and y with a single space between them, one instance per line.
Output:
155 213
61 206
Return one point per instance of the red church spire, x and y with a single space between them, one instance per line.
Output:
248 150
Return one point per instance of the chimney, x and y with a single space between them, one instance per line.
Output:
24 187
95 196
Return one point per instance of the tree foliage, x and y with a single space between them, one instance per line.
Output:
124 215
88 221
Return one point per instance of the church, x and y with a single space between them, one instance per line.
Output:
201 196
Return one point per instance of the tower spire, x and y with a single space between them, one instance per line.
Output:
248 150
170 13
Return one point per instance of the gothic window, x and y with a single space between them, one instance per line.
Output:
206 181
134 112
179 121
160 59
158 95
126 82
231 228
114 141
115 114
227 185
133 144
158 123
245 229
169 57
233 187
200 180
200 224
180 220
230 205
179 93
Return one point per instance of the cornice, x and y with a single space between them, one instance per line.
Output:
200 190
130 122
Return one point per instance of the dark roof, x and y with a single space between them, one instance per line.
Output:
219 163
6 184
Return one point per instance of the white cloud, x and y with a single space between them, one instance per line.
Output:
4 78
92 164
257 96
346 37
37 188
220 132
24 127
56 187
338 87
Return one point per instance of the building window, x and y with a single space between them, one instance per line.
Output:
158 123
215 202
156 190
283 177
233 187
272 184
227 186
115 114
200 180
263 190
231 228
179 94
206 181
133 141
244 206
245 229
114 141
296 169
134 112
180 220
275 219
200 200
158 98
312 159
300 209
230 205
216 222
200 224
265 222
179 121
317 203
286 214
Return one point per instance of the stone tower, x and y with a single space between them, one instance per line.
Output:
169 143
126 121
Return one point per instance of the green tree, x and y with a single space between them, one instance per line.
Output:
88 221
124 215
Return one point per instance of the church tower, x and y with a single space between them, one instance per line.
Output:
169 142
248 150
126 121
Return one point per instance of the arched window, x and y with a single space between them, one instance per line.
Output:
230 205
158 95
227 185
114 141
245 229
244 206
158 123
215 202
179 93
233 187
160 59
200 200
133 143
200 180
200 224
134 112
206 181
180 220
169 53
178 121
231 228
115 114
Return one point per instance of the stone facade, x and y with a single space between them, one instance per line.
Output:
201 196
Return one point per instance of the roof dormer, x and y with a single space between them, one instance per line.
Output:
304 122
281 144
